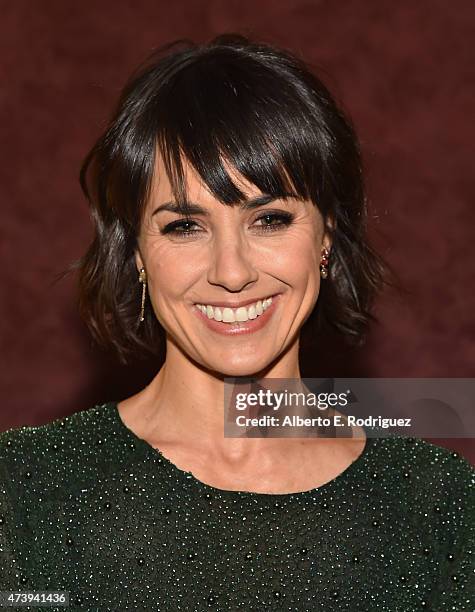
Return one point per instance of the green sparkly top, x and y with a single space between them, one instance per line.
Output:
88 507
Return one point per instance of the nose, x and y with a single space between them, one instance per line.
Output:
230 264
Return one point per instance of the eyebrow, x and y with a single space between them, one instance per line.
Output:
196 209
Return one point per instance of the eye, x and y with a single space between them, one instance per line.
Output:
181 228
271 222
275 221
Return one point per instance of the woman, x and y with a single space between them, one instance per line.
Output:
229 215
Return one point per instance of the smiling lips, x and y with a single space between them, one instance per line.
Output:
232 315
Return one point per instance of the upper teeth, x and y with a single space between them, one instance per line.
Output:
230 315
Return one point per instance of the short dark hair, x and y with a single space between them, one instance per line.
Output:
263 110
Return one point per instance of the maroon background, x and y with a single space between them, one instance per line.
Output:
403 73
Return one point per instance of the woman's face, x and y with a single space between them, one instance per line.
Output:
227 258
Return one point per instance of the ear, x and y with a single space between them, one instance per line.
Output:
138 260
330 227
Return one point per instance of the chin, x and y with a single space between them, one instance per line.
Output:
251 368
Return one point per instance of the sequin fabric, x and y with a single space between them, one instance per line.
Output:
90 508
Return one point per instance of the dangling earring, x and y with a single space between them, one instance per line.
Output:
143 280
324 262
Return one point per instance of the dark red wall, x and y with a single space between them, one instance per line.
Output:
403 72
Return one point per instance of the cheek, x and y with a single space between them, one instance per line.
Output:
171 271
296 258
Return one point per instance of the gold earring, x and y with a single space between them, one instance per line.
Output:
324 262
143 280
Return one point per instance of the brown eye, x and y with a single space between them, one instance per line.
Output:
274 221
180 228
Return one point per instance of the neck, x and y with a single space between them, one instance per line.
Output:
185 402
